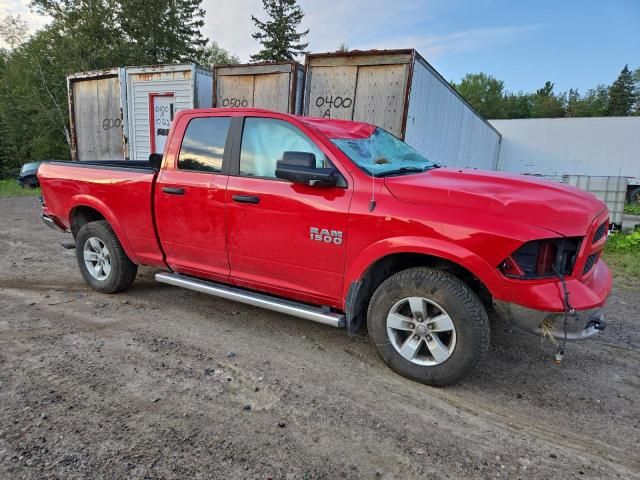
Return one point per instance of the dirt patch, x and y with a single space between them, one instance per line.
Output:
159 382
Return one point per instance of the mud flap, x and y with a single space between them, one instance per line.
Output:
353 314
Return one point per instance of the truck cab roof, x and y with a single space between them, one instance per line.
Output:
330 127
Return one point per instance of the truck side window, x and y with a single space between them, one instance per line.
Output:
264 140
203 144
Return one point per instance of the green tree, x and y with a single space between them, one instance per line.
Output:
279 35
162 31
484 93
214 54
517 105
82 35
622 94
592 104
546 104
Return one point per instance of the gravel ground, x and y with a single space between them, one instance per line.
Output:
159 382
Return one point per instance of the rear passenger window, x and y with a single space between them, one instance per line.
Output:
203 144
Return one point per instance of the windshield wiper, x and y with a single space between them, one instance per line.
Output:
402 171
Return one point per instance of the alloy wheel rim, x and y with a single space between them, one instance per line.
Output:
97 258
421 331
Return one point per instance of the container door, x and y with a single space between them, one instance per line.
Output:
272 92
161 112
234 91
332 92
97 117
380 96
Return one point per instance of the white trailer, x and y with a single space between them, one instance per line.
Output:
401 92
126 113
154 94
556 147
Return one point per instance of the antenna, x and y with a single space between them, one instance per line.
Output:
372 203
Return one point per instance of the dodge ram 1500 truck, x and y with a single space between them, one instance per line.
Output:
341 223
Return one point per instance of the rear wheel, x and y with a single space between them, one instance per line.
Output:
102 261
429 326
634 196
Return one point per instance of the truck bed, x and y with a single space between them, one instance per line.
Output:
119 191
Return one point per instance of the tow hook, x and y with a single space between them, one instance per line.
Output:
599 323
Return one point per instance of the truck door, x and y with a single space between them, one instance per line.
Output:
190 197
283 237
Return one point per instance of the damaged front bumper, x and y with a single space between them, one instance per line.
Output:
581 324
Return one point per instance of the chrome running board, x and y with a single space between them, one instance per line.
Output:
301 310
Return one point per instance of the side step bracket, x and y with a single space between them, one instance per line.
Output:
276 304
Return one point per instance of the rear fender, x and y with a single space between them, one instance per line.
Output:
101 207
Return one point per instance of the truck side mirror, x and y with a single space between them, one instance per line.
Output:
300 167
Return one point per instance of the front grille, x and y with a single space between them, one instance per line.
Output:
601 231
591 261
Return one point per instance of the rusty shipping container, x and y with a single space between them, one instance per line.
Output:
98 123
272 85
401 92
126 113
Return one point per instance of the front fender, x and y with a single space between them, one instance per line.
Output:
92 202
450 251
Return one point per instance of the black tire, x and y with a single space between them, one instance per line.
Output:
464 308
122 272
634 196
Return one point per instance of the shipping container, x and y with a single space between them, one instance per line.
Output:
275 86
154 95
98 123
595 146
401 92
126 113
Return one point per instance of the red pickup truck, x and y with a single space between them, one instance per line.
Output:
341 223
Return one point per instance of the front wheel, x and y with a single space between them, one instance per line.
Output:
429 326
102 261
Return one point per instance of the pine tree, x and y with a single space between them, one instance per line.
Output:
546 104
278 36
622 94
162 31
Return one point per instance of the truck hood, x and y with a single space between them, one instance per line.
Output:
561 208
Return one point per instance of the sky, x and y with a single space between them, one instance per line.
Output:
575 44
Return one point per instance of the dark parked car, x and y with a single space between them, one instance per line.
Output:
29 175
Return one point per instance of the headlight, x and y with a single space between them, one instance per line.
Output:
542 258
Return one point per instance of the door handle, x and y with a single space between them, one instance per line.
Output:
173 190
246 198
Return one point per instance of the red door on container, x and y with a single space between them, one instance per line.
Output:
284 237
160 118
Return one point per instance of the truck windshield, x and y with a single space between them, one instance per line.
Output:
382 154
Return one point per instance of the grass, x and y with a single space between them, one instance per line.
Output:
10 188
622 254
632 208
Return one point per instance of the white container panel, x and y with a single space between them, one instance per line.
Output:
441 126
143 84
597 146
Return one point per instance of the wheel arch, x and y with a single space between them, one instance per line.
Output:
381 260
84 209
